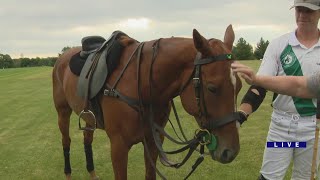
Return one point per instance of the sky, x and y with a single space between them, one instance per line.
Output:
41 28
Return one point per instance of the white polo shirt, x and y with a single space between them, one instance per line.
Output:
287 56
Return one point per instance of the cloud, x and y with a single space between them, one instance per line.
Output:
37 28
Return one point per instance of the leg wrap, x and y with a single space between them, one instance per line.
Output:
67 166
89 157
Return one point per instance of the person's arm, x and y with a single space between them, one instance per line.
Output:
313 84
287 85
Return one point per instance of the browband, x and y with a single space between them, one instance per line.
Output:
211 59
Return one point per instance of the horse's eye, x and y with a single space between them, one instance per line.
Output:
212 88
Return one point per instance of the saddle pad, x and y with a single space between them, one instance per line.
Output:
76 64
114 56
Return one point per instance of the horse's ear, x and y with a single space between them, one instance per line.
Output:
200 42
229 37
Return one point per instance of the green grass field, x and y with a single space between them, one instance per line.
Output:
30 141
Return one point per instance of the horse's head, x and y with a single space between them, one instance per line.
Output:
211 95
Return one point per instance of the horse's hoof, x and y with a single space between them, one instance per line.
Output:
93 175
68 176
95 178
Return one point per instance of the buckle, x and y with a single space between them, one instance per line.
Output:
204 141
196 81
110 92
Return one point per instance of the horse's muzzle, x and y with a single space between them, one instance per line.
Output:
225 156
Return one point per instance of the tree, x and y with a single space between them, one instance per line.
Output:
243 50
16 62
25 62
261 48
64 50
33 62
5 61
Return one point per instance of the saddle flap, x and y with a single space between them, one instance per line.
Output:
97 80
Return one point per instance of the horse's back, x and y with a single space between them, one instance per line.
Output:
62 63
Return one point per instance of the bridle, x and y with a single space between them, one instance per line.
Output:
197 85
203 136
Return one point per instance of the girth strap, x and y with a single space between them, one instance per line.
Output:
116 94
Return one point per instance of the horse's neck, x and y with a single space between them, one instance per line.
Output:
175 58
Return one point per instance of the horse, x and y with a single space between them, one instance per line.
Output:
196 69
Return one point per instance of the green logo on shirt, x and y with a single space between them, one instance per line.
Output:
288 60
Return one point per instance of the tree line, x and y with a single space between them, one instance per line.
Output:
7 62
241 51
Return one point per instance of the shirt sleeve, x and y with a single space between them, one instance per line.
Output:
313 84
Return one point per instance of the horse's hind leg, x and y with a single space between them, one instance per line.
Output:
64 123
87 141
64 112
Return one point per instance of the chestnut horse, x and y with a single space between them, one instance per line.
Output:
171 73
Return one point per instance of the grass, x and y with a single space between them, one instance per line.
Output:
30 141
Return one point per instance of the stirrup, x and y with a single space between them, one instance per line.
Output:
87 128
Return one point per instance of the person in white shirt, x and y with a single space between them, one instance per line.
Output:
293 119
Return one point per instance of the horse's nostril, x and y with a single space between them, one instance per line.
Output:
226 156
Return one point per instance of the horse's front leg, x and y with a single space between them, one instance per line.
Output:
150 156
87 141
151 151
119 157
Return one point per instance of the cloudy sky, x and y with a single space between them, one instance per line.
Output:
41 28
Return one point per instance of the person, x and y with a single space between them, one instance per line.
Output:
298 86
293 119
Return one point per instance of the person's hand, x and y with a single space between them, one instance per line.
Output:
245 72
243 116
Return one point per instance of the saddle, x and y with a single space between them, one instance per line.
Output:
93 64
102 57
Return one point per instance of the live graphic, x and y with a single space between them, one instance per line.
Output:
286 144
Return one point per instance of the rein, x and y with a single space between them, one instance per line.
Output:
203 135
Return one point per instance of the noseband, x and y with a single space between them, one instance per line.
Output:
197 84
